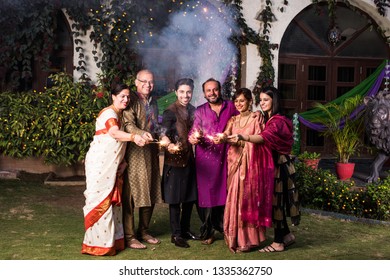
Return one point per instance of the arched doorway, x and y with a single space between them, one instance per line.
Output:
313 69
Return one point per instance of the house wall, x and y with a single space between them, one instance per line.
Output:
251 8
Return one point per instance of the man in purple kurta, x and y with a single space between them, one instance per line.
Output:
210 159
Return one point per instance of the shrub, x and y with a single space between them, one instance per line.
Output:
308 155
57 124
320 189
379 192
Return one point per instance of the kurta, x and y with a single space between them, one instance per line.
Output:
179 178
248 207
103 210
143 175
210 158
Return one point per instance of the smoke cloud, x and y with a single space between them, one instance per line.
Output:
198 42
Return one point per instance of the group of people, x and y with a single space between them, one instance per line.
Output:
231 163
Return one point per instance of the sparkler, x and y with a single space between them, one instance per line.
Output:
161 142
164 142
175 148
197 134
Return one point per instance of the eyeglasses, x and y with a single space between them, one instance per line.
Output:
146 82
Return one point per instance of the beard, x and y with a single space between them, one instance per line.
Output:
216 101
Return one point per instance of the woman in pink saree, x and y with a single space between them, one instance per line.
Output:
248 210
104 166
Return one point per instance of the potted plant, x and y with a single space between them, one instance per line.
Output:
345 128
310 159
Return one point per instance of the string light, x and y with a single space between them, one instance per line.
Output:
387 77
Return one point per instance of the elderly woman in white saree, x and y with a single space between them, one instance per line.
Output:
104 165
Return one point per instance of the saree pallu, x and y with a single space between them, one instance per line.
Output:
103 209
278 135
248 209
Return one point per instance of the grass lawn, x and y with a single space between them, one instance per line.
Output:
39 222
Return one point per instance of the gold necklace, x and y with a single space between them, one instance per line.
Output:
247 119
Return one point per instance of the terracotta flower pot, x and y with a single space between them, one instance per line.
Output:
344 171
313 163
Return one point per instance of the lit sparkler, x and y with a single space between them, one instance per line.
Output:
164 142
197 134
175 148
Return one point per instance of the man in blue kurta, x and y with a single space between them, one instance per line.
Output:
210 159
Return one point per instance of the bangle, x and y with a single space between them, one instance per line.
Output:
132 136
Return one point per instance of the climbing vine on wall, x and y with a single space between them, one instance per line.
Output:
266 75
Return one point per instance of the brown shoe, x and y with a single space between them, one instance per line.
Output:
209 240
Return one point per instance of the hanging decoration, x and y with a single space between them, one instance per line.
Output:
334 34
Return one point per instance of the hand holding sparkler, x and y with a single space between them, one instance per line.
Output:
164 142
195 137
174 148
139 140
219 138
147 137
234 138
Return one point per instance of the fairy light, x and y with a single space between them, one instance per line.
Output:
387 77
